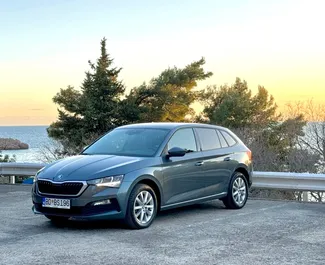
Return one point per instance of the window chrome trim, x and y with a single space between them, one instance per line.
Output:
84 183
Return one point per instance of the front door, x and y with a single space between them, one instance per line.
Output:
183 175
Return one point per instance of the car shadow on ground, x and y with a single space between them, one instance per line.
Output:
180 212
192 209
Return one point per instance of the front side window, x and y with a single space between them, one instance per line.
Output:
183 138
129 142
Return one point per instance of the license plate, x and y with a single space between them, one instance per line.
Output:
56 203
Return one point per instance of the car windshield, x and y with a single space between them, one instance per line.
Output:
129 142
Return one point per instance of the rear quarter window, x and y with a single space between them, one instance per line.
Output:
222 140
230 140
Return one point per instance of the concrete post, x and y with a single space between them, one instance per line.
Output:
305 196
12 180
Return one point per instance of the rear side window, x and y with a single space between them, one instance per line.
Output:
222 140
183 138
230 140
208 138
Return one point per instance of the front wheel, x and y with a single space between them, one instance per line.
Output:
237 192
142 207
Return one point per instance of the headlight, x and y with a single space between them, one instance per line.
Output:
113 182
36 175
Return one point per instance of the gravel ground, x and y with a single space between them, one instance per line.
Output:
264 232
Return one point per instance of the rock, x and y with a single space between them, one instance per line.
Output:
12 144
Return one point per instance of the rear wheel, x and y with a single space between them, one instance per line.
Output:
237 192
142 207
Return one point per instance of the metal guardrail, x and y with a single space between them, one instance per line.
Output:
19 169
263 180
289 181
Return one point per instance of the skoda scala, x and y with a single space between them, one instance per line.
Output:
134 171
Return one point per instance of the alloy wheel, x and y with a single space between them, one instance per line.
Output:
239 191
143 207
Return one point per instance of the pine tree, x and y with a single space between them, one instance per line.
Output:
168 97
91 111
235 107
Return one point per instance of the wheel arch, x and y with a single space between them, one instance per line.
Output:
242 168
153 183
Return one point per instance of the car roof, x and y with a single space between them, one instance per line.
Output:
169 125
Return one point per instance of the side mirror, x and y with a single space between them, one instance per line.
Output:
176 151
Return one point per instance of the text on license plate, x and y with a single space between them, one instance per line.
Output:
56 203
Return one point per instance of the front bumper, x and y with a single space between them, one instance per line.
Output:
81 207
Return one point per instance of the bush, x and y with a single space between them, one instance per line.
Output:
7 158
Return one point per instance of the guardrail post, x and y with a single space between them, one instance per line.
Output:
12 180
305 196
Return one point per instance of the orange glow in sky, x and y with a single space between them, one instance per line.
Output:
45 47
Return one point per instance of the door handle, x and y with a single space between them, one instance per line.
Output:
227 158
199 163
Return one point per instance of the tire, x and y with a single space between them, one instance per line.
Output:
236 200
57 219
141 208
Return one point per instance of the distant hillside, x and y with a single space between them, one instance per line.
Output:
12 144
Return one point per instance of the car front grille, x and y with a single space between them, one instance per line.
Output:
64 188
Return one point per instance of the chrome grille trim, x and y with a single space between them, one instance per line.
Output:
84 183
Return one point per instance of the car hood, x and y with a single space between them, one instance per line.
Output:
87 167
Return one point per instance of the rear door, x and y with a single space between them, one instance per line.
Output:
231 151
183 176
217 160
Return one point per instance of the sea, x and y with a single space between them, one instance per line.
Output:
37 139
35 136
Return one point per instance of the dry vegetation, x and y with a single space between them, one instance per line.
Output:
306 156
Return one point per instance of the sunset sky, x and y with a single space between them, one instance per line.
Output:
45 46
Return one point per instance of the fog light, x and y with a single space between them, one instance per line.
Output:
103 202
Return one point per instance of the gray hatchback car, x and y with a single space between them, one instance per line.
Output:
134 171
